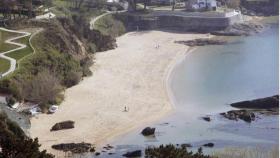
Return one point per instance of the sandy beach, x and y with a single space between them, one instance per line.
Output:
133 75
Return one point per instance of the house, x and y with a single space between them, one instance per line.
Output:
201 5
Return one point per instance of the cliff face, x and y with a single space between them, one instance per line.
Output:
258 7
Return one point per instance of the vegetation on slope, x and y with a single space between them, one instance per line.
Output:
62 58
14 143
109 25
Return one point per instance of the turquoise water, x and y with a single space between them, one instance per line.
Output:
205 83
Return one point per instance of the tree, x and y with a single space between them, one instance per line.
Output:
44 88
15 144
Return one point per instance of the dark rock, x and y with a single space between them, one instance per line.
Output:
186 145
136 153
206 118
63 125
111 153
97 153
263 103
148 131
202 42
73 147
210 145
92 149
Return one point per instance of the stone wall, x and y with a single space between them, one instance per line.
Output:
180 23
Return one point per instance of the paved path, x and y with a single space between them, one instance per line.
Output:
13 62
93 20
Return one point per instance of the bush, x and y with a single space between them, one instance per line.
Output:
72 79
170 151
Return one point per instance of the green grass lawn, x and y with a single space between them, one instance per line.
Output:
23 52
4 65
4 35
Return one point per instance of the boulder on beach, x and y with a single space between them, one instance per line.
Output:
136 153
262 103
148 131
63 125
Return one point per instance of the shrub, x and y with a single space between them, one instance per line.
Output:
170 151
72 78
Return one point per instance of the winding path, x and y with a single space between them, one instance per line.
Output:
93 20
13 61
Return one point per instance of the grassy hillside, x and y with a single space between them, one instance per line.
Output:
4 35
23 52
4 65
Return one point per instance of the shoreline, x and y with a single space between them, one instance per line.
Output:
136 82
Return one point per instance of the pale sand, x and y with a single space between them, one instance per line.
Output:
132 75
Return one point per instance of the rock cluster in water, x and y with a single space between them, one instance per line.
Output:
74 147
240 29
136 153
244 115
202 42
268 105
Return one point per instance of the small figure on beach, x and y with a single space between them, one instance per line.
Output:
157 46
125 109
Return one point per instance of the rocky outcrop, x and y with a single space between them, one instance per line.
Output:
244 115
262 103
148 131
63 125
202 42
240 29
136 153
74 147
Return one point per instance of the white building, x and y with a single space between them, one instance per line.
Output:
201 4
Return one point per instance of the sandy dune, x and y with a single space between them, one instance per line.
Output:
132 75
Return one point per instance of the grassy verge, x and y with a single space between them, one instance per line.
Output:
4 35
4 65
257 152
